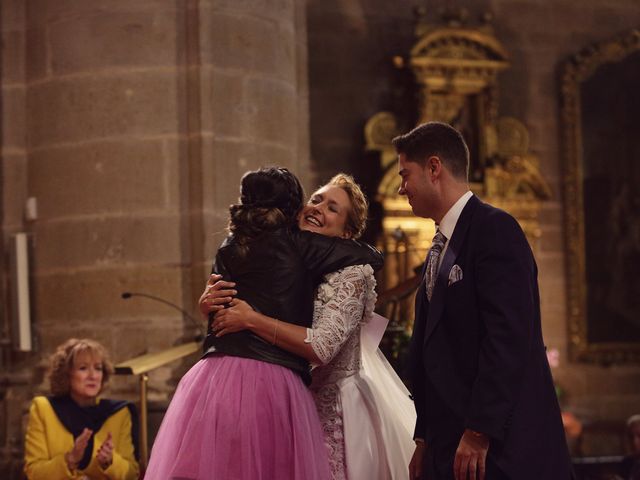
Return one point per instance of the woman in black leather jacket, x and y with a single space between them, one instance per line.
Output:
243 411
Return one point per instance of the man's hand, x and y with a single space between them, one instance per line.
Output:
471 456
415 466
216 294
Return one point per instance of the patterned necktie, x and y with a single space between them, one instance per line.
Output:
433 259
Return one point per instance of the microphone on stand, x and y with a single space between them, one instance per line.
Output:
198 338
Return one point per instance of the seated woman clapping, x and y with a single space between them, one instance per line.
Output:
73 433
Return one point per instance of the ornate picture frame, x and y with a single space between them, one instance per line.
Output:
602 303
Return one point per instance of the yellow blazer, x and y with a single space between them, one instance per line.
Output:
47 441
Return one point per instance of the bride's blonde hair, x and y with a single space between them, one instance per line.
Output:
357 215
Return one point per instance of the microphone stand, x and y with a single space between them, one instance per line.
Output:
198 338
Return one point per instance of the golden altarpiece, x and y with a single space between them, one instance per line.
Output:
456 69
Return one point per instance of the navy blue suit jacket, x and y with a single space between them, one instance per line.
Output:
477 359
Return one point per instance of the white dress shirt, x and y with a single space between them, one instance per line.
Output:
448 223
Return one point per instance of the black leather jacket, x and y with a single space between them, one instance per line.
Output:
277 277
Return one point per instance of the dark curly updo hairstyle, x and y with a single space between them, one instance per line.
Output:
270 198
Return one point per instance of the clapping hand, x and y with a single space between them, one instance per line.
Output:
74 457
105 453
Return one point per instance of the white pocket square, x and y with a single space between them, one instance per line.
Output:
455 275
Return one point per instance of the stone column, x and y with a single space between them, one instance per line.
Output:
140 119
254 99
104 143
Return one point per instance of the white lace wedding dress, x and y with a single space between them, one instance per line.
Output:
365 410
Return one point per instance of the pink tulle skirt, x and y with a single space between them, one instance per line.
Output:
237 418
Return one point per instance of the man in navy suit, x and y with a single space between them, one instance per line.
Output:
485 401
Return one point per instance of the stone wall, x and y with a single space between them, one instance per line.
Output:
14 366
131 124
350 49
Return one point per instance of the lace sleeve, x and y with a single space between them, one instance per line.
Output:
339 308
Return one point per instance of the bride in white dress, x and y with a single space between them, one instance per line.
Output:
365 410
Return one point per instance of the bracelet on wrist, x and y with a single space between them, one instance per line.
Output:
275 332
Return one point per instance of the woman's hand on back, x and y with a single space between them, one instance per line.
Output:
233 319
216 294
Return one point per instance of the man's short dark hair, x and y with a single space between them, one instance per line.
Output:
439 139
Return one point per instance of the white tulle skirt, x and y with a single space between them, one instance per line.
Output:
378 414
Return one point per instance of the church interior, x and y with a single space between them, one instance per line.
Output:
125 128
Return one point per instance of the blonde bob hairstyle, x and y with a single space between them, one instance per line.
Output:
61 363
357 216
